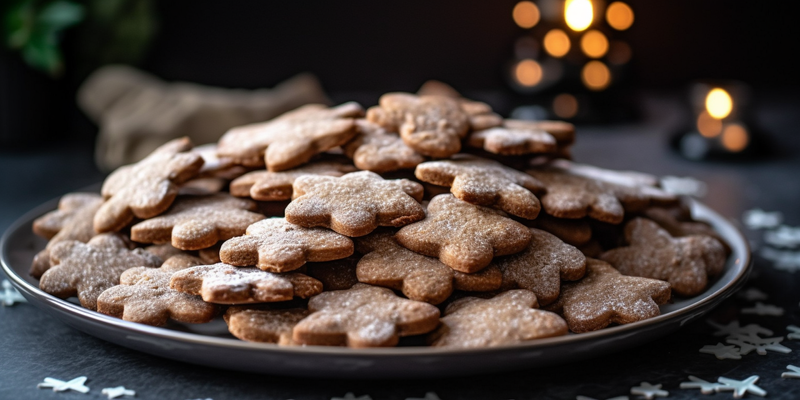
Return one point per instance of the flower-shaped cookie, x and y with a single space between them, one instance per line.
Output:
485 183
464 236
363 316
508 318
198 222
225 284
277 245
686 262
71 221
264 323
374 149
147 188
274 186
513 141
431 125
542 266
87 269
604 296
292 138
355 204
144 296
386 263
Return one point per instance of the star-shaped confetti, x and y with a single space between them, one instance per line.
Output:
752 294
722 352
428 396
612 398
784 260
760 219
649 391
764 310
57 385
760 345
10 296
118 391
733 328
794 332
697 383
794 374
783 236
685 186
351 396
740 388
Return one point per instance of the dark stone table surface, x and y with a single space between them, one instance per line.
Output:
34 346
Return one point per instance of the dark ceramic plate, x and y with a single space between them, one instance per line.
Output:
210 344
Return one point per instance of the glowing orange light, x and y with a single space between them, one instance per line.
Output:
619 15
735 138
619 53
578 14
526 14
556 43
595 75
565 105
719 103
528 73
708 126
594 44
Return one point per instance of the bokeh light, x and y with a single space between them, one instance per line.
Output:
565 105
556 43
578 14
526 14
619 52
594 44
708 126
596 75
528 73
719 103
735 138
619 15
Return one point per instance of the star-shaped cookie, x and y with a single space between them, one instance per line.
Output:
604 296
71 221
225 284
374 149
264 323
355 204
363 316
542 266
276 245
276 186
386 263
147 188
686 262
464 236
292 138
508 318
431 125
198 222
485 183
87 269
144 296
507 141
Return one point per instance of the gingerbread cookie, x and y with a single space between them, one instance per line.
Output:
275 186
562 132
508 318
71 221
576 232
335 275
292 138
215 166
686 262
433 87
669 220
276 245
363 316
354 204
203 186
264 323
431 125
542 266
87 269
144 296
164 251
480 114
386 263
485 183
374 149
507 141
225 284
147 188
604 296
463 236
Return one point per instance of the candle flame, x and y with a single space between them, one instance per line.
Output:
578 14
719 103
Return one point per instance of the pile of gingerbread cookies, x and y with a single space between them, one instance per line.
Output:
427 216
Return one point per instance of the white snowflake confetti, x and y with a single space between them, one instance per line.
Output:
118 391
697 383
764 310
740 388
722 352
733 328
760 219
649 391
686 186
613 398
428 396
794 332
351 396
57 385
752 294
760 348
784 236
784 260
794 374
10 296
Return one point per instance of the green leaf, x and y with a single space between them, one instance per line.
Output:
59 15
18 24
42 53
